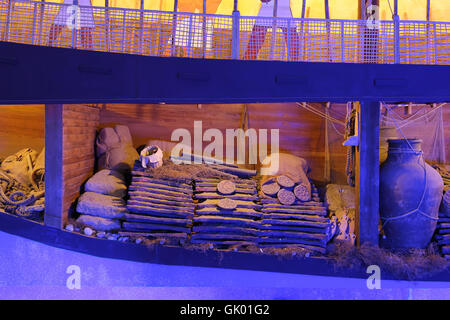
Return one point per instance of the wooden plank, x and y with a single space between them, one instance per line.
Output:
215 181
297 202
301 207
159 189
291 234
277 222
214 184
368 174
54 215
134 226
138 181
213 189
168 194
236 196
226 221
157 220
153 200
145 177
136 191
242 212
223 236
294 228
293 211
225 229
443 225
138 207
443 231
176 235
222 242
291 216
212 203
145 201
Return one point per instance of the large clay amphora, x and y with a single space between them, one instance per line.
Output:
410 195
386 133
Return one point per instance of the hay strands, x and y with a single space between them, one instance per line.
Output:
242 173
290 245
166 181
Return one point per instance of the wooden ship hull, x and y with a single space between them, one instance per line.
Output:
74 84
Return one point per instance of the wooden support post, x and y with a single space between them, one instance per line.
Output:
70 132
368 173
53 165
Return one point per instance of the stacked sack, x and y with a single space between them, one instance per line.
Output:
115 149
102 206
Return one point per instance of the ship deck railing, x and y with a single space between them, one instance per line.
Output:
212 36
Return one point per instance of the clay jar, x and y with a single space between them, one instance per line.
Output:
408 183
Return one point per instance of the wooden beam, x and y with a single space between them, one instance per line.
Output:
53 165
368 173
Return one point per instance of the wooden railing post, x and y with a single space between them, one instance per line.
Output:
8 21
75 27
235 42
396 20
107 26
141 27
174 28
204 35
33 28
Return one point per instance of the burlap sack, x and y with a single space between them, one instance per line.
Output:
100 205
99 224
38 173
115 149
20 165
107 182
289 165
